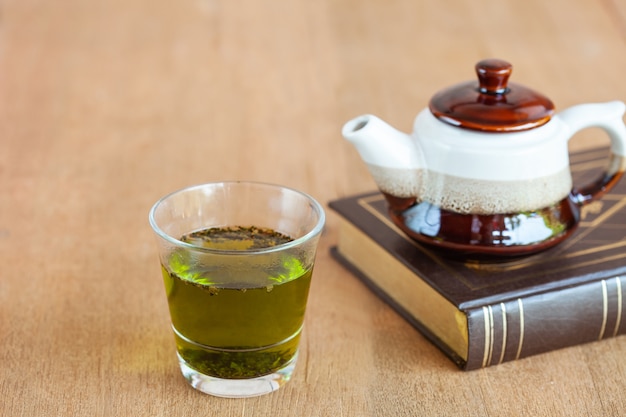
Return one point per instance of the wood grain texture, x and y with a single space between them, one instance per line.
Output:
107 105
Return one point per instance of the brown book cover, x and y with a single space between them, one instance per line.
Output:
484 313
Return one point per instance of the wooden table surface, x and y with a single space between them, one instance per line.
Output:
108 105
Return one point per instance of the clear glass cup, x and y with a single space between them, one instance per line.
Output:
237 310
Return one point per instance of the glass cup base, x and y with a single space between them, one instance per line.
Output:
237 388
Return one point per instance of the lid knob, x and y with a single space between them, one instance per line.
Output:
493 76
492 104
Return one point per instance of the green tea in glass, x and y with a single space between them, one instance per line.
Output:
237 260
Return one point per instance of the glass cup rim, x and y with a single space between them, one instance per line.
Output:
319 225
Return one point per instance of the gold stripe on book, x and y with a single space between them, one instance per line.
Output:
504 332
491 334
520 304
487 337
618 285
605 309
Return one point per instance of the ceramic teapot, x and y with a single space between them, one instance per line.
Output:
486 169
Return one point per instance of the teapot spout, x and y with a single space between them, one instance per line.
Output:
380 144
393 158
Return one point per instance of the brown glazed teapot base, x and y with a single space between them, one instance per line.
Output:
486 237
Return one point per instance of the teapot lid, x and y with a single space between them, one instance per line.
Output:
492 104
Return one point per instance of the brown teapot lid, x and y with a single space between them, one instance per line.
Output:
492 104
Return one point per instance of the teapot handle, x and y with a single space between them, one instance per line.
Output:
607 116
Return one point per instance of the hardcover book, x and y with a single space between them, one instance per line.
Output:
485 313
